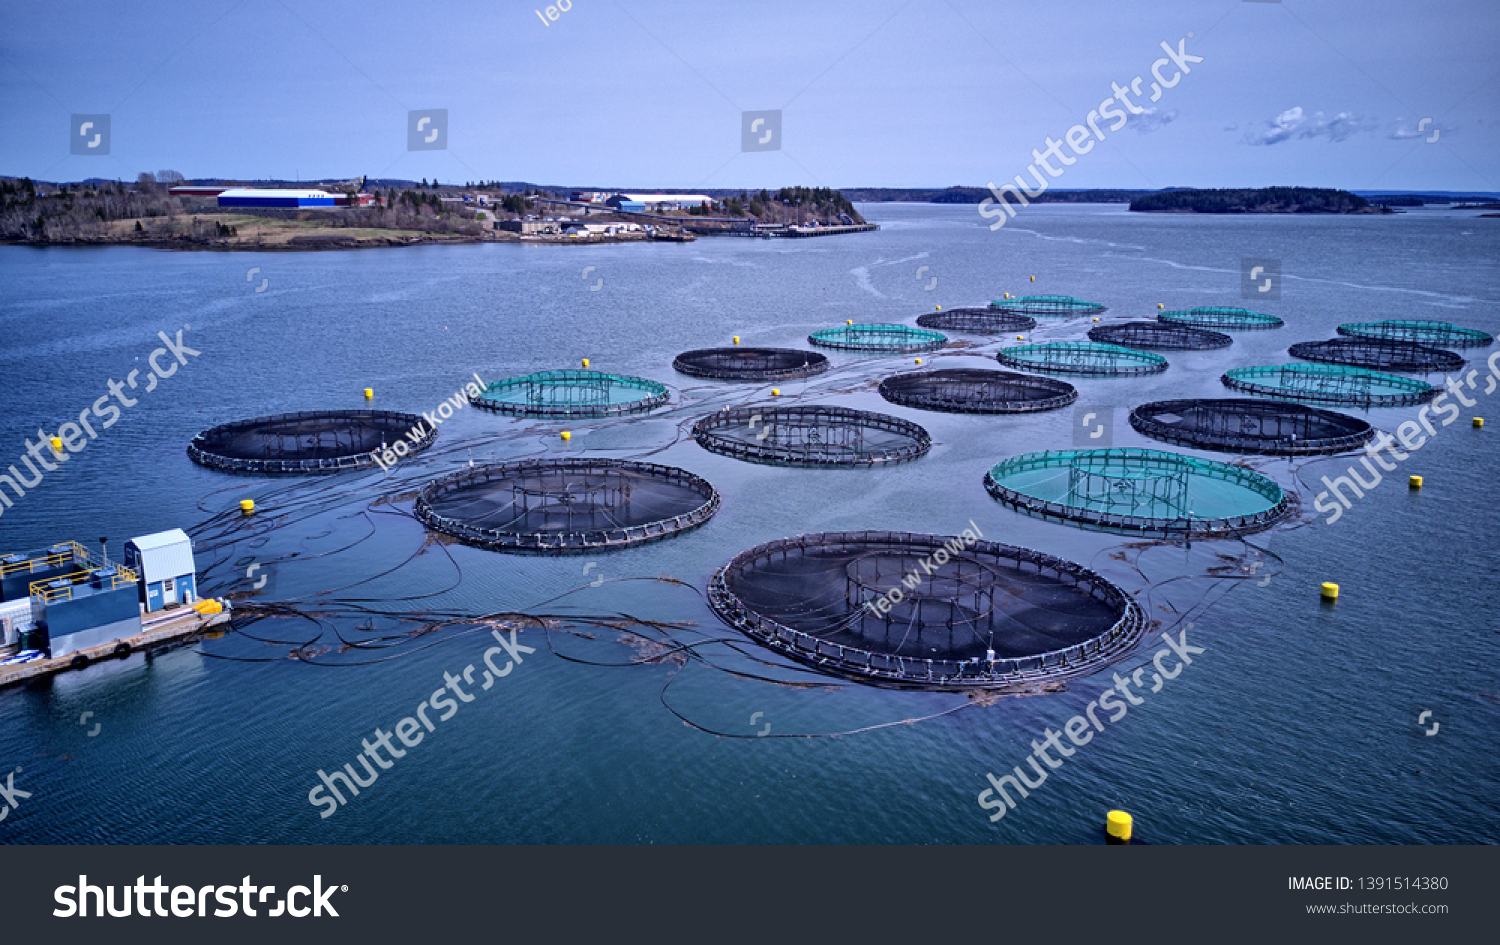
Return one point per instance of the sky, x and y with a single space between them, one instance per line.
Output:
1355 94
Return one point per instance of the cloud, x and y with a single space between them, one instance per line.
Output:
1294 123
1423 128
1152 120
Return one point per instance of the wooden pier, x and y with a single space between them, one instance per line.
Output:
159 630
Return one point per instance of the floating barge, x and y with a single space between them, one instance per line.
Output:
165 628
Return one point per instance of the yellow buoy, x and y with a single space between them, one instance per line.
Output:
566 435
585 362
848 321
1330 591
1118 826
1478 422
247 506
57 444
1096 319
1159 305
939 308
736 339
1033 278
369 393
1020 337
775 392
919 360
1415 482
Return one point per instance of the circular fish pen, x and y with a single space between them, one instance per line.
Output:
1380 354
1437 334
1082 357
1223 319
978 321
1148 493
890 339
563 506
312 441
899 610
1051 306
977 390
1247 425
817 436
570 394
1330 384
750 364
1159 335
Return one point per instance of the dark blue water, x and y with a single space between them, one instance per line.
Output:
1298 723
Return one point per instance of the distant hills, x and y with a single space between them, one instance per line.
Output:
1262 200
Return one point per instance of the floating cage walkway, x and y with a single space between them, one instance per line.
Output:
1437 334
979 321
977 390
1159 335
811 436
1247 425
571 394
1227 319
562 506
1148 493
1330 384
1382 354
954 603
1082 357
1056 306
314 441
750 364
893 339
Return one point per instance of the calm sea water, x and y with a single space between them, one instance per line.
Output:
1299 724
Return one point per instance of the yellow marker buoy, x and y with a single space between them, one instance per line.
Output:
736 339
1118 826
1330 591
1033 279
919 360
566 435
775 392
848 321
369 393
1159 305
1478 422
1415 482
247 506
1020 337
1096 319
57 444
939 308
585 362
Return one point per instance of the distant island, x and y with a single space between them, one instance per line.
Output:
1263 200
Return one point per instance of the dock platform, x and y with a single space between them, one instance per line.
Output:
164 628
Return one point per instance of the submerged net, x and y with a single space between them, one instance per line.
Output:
1246 425
750 364
888 338
1159 335
1048 305
567 394
565 505
1138 491
311 441
980 321
1330 384
976 390
1378 353
1231 319
922 611
1438 334
811 436
1082 357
